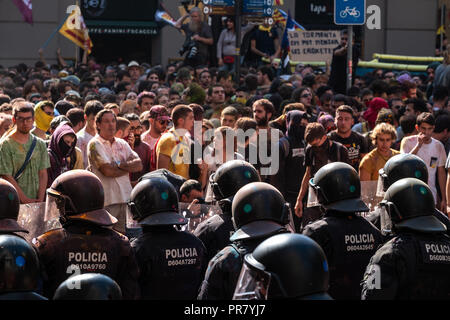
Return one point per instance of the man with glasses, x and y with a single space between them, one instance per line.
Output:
140 147
159 120
28 177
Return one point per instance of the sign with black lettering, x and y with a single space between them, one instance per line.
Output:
313 45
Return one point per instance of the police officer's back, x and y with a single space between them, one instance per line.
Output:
285 266
85 243
19 269
347 239
415 263
402 166
215 232
172 262
259 211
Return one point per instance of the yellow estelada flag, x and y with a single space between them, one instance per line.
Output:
76 31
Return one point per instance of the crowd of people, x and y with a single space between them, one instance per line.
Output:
114 124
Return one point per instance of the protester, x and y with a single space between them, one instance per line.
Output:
112 160
23 157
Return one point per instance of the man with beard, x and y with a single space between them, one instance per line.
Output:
159 119
140 147
198 37
319 152
353 141
291 159
263 111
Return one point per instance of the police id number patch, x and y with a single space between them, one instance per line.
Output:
435 252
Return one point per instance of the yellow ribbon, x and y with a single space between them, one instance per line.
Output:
266 29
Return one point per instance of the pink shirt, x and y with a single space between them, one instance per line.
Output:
147 138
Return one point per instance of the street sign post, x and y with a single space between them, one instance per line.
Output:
255 10
350 13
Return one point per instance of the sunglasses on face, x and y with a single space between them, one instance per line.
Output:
163 122
306 95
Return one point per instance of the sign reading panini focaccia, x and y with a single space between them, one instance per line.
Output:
313 45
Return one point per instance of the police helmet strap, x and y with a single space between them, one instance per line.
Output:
286 213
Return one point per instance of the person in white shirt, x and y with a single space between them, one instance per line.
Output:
432 152
88 132
112 160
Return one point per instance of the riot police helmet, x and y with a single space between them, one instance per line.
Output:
19 265
154 201
284 266
175 179
9 208
88 286
337 187
404 165
78 195
409 204
230 177
258 210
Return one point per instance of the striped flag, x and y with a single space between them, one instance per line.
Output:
163 16
285 42
76 31
279 2
279 16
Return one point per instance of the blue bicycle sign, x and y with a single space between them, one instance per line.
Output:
349 12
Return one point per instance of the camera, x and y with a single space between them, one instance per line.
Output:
189 46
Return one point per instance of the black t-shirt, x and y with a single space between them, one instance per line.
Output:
265 40
355 144
317 157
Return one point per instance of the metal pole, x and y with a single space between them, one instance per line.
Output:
350 57
443 9
237 28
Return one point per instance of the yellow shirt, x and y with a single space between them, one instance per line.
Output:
374 161
178 149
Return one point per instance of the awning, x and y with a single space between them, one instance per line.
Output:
122 27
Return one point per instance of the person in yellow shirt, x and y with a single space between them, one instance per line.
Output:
173 148
383 136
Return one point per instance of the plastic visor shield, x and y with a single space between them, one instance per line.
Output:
370 193
253 284
197 214
385 218
313 201
38 218
380 185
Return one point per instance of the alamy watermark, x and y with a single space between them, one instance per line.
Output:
257 146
